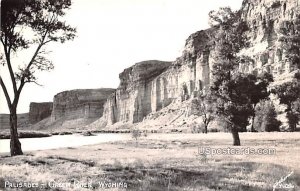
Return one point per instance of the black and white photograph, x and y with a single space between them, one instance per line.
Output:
150 95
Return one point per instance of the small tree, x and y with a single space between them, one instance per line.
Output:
237 94
259 92
136 134
41 19
296 112
233 104
296 107
265 119
289 94
204 107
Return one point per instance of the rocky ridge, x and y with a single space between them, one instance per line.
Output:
69 110
81 103
191 72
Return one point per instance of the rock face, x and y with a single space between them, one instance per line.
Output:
264 18
147 87
132 101
150 86
83 103
39 111
189 74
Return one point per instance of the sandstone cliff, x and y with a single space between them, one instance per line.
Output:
180 80
264 18
132 100
83 103
136 97
74 109
39 111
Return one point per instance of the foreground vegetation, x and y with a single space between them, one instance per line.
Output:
162 162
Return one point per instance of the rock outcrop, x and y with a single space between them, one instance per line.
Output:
147 88
189 74
150 86
264 19
82 103
39 111
132 101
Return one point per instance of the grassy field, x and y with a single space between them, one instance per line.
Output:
161 162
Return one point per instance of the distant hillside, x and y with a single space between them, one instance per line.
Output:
23 121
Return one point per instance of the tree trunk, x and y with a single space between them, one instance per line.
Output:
15 144
252 125
205 129
236 137
206 122
294 126
253 118
292 119
205 126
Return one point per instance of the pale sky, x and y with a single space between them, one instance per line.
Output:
113 35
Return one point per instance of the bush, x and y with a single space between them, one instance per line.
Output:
276 4
196 128
136 134
265 117
214 130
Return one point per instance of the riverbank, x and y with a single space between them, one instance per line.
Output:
5 134
162 162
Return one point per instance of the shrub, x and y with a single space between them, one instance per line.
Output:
136 134
276 4
265 117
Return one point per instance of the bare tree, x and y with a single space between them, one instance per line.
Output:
204 107
28 24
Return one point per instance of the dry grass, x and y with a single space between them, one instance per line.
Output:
163 162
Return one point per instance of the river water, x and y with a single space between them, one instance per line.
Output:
60 141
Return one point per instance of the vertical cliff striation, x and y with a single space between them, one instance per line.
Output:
265 18
189 74
83 103
132 100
